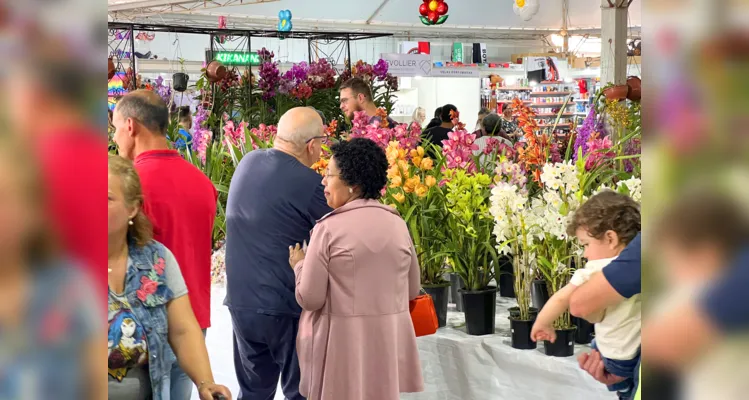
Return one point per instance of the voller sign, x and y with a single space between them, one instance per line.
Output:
404 65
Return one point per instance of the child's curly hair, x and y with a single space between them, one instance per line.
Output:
608 211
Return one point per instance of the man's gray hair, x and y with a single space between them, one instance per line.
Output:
147 108
299 125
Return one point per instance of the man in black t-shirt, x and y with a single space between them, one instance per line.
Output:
439 133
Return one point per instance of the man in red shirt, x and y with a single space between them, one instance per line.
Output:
179 200
70 151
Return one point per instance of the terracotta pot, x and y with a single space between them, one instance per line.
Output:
635 88
111 69
215 71
616 92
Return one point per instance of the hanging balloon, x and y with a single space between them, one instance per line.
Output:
145 36
221 39
526 9
284 21
433 12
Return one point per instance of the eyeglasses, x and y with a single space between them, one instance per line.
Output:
315 137
328 174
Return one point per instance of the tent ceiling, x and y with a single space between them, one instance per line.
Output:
490 19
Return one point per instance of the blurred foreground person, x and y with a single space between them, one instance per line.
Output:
141 119
51 336
71 152
356 339
275 198
149 315
702 240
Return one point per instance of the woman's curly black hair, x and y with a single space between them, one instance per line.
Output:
363 164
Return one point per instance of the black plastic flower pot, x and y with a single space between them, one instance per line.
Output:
506 278
539 293
564 346
456 283
521 333
585 331
439 294
515 312
480 309
179 81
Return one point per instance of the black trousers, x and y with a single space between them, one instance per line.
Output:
264 350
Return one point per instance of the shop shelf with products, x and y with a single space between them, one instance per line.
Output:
548 99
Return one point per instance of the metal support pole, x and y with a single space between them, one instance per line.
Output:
348 49
309 50
134 80
213 86
249 94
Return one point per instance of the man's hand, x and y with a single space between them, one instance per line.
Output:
592 363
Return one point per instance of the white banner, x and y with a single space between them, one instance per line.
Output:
456 72
403 65
410 47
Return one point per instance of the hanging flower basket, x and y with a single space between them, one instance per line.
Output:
111 69
634 85
215 71
179 81
617 92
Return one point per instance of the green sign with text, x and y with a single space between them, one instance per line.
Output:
237 58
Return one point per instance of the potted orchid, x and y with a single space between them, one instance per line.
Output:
470 252
560 197
412 189
517 231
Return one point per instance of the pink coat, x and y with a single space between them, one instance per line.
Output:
356 340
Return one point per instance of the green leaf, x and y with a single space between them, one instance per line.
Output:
424 20
442 19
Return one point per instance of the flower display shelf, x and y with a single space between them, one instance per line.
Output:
548 104
550 94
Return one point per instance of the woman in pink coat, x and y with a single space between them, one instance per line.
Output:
356 340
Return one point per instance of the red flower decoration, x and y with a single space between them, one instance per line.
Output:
159 266
433 12
147 288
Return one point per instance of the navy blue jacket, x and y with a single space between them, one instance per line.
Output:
274 202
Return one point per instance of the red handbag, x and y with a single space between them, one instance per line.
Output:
423 315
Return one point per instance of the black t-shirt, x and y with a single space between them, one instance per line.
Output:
433 123
436 135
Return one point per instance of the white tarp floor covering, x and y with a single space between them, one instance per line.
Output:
455 366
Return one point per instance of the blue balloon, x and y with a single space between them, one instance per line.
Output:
284 25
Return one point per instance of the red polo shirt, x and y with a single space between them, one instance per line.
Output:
73 165
180 201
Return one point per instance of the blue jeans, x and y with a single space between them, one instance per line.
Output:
629 369
264 351
181 384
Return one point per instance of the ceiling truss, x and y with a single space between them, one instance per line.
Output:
129 11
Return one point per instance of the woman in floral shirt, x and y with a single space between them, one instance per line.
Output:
149 314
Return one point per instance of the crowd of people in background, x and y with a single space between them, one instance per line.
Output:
289 290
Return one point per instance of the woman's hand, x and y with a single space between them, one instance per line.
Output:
209 390
296 254
543 332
